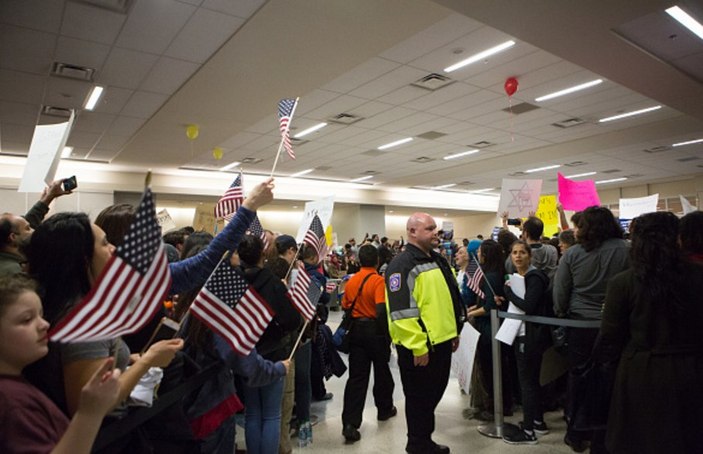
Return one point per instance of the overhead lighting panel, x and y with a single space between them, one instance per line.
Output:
357 180
540 169
629 114
304 172
686 20
613 180
310 130
94 97
688 142
229 166
395 144
569 90
480 56
460 154
578 175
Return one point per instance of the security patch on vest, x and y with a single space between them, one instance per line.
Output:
394 282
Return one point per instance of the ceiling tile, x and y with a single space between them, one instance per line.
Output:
66 93
90 23
385 117
341 104
112 143
113 100
21 87
81 53
168 75
388 82
125 126
79 139
26 50
93 122
126 68
17 133
152 25
16 113
143 104
364 73
403 95
34 14
204 33
239 140
240 8
314 100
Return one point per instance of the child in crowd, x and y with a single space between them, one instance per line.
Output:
29 421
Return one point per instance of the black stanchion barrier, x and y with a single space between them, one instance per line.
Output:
499 428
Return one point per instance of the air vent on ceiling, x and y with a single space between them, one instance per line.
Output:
519 173
373 153
575 164
118 6
634 175
371 172
481 144
298 142
345 118
690 158
323 168
657 149
431 135
569 122
422 160
433 82
611 171
521 108
250 160
72 71
465 183
56 111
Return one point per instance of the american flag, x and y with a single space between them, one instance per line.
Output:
330 286
475 282
256 229
232 199
285 114
130 289
315 236
232 309
304 294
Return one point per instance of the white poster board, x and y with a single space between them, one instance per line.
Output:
164 219
686 205
322 208
631 208
463 357
44 154
519 197
511 327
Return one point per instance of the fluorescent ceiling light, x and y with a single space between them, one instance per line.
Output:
539 169
686 20
566 91
611 181
310 130
629 114
356 180
304 172
94 97
445 186
690 142
480 56
66 152
459 155
586 174
230 166
395 144
482 190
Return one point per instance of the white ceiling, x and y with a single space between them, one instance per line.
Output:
224 64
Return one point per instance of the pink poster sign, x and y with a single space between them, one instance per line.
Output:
577 195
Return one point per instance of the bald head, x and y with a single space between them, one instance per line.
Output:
422 232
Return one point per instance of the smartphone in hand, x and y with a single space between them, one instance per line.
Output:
166 329
69 184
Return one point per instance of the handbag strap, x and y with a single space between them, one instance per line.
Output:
361 288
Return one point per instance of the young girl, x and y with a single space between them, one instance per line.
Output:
29 421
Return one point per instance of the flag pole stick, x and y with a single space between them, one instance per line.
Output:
295 346
292 263
280 145
484 274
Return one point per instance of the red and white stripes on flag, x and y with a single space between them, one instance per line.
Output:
299 294
130 289
330 286
286 107
256 229
230 202
232 308
475 282
315 236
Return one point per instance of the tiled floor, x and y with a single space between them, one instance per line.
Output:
389 437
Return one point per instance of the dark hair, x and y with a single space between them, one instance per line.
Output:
368 255
278 266
115 221
524 243
567 236
188 230
597 224
201 238
308 252
691 233
250 250
59 254
12 287
5 230
534 227
174 238
655 257
576 218
506 238
493 258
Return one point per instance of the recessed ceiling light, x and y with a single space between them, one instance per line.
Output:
586 174
611 180
690 142
304 172
66 152
445 186
310 130
356 180
629 114
390 211
230 166
686 20
295 206
94 97
395 144
566 91
480 56
540 169
460 154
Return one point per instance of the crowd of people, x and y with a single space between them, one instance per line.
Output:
412 295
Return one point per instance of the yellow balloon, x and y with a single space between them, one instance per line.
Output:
328 235
217 153
192 131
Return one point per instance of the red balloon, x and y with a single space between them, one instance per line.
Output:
510 86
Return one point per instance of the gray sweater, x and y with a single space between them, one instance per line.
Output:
582 277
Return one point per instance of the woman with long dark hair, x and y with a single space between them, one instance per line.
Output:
651 320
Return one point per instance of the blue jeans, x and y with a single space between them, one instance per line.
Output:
263 417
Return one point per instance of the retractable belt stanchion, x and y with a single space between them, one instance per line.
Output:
499 428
